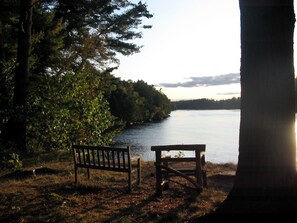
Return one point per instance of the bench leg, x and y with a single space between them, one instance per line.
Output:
199 178
165 181
75 174
204 178
158 181
158 173
88 172
138 172
129 181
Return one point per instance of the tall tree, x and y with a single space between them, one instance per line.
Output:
22 74
9 14
67 37
95 31
266 174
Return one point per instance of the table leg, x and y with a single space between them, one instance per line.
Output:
158 174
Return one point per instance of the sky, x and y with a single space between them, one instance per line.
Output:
192 50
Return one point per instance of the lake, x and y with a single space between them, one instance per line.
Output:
218 129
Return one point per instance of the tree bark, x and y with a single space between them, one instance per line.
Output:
22 74
266 173
267 150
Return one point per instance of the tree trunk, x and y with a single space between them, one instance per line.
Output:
266 173
22 74
267 151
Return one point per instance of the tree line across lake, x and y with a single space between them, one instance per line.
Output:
206 104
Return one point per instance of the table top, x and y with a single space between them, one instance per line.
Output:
185 147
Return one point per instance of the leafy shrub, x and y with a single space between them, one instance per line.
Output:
69 109
9 159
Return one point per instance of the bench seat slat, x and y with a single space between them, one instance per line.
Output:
103 168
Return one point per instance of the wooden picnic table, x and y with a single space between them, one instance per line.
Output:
168 166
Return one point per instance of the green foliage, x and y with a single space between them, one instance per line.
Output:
156 103
47 42
67 35
6 83
136 102
9 159
88 31
69 109
179 154
14 161
125 103
6 93
67 95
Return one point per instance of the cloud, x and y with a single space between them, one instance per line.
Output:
229 93
224 79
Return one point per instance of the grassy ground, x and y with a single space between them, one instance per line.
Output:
52 196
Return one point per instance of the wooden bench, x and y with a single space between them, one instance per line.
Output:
106 158
168 166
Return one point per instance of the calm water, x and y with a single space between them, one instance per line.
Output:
218 129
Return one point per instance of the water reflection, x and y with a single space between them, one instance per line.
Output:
218 129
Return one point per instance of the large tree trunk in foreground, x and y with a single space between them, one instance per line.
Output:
265 177
267 150
265 181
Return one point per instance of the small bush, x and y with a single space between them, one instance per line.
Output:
10 160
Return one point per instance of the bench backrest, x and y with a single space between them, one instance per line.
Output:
102 157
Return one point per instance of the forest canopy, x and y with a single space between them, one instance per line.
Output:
56 63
